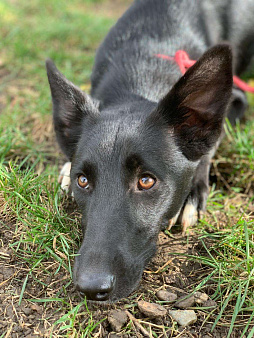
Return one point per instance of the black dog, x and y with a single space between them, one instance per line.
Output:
140 146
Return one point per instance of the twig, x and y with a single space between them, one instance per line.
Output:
160 268
137 324
8 333
59 253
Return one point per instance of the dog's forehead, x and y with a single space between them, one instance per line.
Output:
114 140
110 136
113 134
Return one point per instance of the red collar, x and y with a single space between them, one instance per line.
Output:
184 62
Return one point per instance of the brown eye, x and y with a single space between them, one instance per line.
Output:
146 182
83 182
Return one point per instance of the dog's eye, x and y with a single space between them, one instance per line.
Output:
146 182
83 182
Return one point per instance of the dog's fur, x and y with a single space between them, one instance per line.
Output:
143 117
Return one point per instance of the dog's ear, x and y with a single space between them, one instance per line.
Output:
70 107
195 107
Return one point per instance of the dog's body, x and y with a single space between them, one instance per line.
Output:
141 146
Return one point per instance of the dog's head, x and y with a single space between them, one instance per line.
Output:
133 164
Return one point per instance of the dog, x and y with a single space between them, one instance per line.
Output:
140 146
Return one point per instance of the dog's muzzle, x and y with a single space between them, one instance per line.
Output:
96 287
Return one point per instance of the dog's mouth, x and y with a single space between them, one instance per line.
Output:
101 297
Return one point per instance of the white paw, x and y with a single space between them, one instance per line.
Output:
189 217
64 178
173 220
186 217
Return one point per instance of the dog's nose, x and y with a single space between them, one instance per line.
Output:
96 287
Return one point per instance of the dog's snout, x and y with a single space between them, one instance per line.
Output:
96 287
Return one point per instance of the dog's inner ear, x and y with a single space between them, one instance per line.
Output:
195 107
70 107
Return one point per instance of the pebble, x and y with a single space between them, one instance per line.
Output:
166 296
200 297
151 310
210 304
36 307
27 310
183 317
117 319
185 302
179 292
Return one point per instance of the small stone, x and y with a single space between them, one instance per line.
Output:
179 292
183 317
210 304
9 311
200 297
151 310
166 296
117 319
185 302
27 311
36 307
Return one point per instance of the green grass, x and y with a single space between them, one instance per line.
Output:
43 221
231 262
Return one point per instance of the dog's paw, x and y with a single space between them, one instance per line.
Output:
173 221
64 178
193 208
190 216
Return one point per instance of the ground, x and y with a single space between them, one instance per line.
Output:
39 226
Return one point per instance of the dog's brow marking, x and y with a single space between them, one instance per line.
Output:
116 137
108 143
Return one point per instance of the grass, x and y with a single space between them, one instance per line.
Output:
231 261
44 224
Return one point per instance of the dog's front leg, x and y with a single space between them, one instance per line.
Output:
64 178
195 203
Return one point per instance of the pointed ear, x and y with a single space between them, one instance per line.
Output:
70 107
195 107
